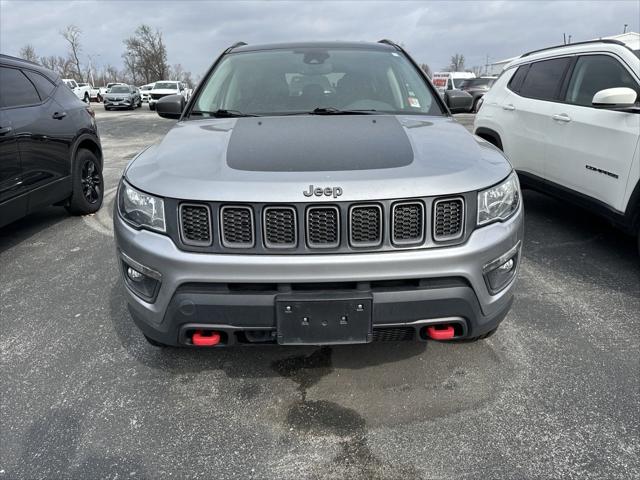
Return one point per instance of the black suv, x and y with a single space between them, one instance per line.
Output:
50 150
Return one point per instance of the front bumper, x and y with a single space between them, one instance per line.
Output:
236 294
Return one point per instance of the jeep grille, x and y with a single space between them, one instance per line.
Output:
308 227
323 227
280 227
448 219
237 227
408 223
195 224
365 228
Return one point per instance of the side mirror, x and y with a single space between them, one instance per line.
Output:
621 97
458 101
170 106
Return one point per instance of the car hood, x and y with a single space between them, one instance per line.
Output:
257 159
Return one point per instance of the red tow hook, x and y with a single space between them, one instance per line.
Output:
440 332
205 339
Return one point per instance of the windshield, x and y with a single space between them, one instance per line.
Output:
286 82
166 86
119 89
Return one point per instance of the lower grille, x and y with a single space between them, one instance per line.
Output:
158 96
448 222
408 223
323 227
280 229
195 224
393 334
237 227
365 226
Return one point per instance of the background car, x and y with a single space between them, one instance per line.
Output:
145 91
165 88
568 118
80 90
477 87
50 151
122 96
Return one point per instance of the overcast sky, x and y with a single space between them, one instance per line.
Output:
195 32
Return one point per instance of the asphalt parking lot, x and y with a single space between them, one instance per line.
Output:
554 394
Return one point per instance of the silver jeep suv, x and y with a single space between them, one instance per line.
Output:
317 193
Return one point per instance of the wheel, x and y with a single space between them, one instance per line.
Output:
152 106
86 98
99 98
107 108
88 184
154 343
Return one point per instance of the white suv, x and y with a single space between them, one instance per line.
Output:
568 118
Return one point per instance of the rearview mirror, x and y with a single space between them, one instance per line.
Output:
620 97
458 101
170 106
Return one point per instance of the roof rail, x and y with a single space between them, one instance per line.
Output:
235 45
586 42
18 59
390 42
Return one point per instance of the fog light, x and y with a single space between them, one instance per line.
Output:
141 280
499 273
135 275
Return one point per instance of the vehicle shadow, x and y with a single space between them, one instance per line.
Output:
24 228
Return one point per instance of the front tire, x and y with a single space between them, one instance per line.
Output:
152 106
87 99
88 184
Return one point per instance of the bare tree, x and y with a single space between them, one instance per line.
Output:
146 55
477 70
426 69
28 53
72 35
457 63
61 65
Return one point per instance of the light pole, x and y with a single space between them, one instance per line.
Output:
625 28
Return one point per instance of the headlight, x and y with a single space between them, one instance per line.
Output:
141 209
499 202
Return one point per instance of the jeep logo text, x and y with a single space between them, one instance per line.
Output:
334 192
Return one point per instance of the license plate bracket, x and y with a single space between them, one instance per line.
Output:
324 319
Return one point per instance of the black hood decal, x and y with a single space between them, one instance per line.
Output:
318 143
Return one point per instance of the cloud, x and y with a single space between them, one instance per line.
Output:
197 31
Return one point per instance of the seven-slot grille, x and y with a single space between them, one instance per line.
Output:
365 227
236 227
448 219
195 224
271 227
280 227
323 227
408 223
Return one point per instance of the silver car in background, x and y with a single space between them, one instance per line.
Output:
122 96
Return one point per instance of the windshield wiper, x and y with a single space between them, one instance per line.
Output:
337 111
222 113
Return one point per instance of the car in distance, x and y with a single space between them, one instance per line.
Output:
81 90
477 87
444 81
165 88
122 96
568 118
145 92
50 150
271 214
